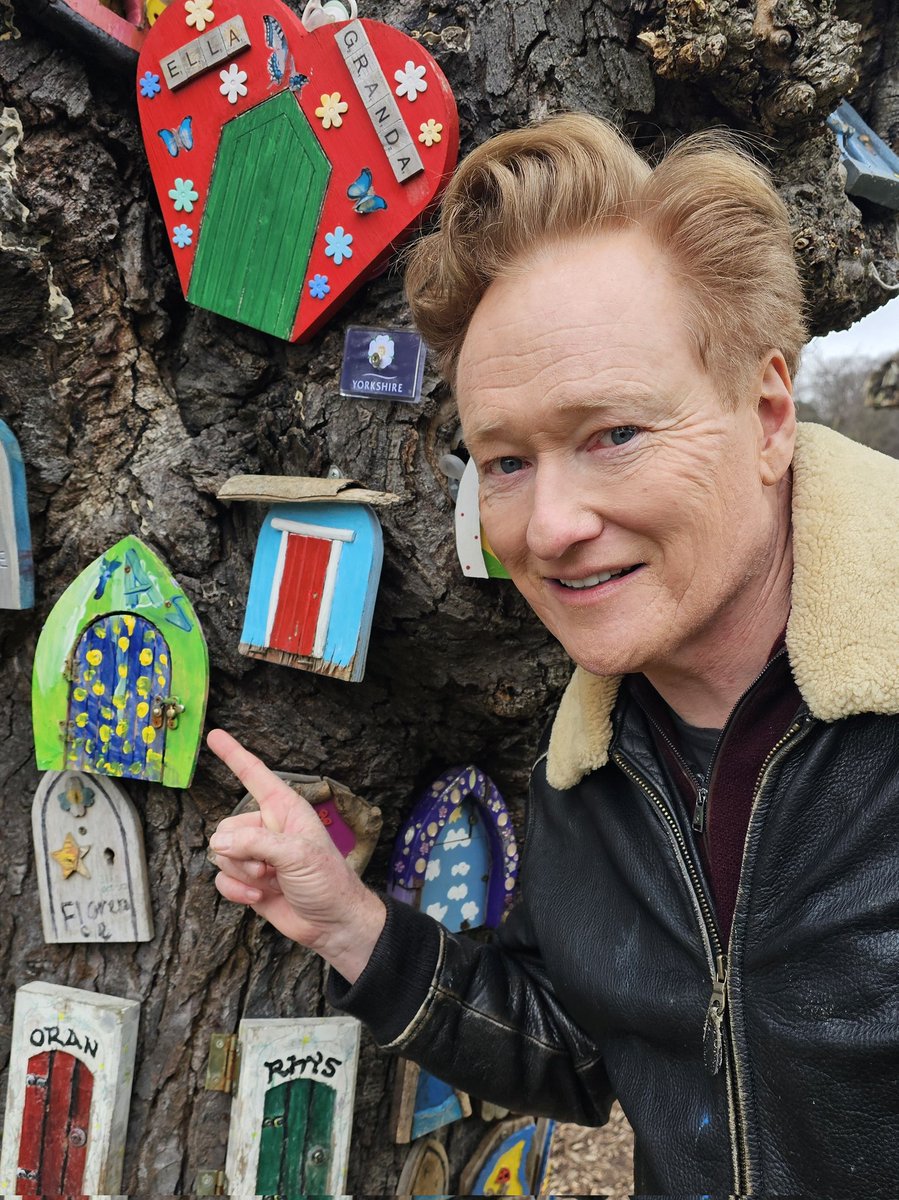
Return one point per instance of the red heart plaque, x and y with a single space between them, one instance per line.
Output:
288 163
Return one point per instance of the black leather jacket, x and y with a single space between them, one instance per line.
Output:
769 1065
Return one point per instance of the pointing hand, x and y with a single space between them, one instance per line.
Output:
281 862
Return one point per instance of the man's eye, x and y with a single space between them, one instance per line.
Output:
619 435
509 465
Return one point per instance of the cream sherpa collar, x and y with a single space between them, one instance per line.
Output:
843 631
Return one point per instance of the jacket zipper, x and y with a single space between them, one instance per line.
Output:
713 1030
717 959
777 752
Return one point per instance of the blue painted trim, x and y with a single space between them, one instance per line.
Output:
13 452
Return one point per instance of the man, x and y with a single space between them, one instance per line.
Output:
708 918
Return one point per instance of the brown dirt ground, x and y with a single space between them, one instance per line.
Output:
592 1162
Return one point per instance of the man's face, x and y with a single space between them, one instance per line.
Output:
625 501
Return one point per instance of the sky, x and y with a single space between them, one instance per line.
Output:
875 336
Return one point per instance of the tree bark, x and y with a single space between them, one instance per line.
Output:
132 408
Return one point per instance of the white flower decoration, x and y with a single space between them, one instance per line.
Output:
234 83
410 81
199 14
381 351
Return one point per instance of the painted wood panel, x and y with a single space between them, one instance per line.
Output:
293 1112
55 1125
476 556
295 1143
277 223
298 603
265 199
436 823
68 1092
287 590
458 871
510 1161
121 664
455 858
121 673
353 824
425 1172
16 563
89 857
96 26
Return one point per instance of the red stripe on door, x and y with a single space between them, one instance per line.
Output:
33 1116
79 1129
56 1131
300 595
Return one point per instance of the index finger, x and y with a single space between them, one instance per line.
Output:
263 785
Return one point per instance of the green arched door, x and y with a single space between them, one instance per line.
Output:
295 1146
265 199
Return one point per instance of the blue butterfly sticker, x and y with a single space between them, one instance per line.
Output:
276 41
363 192
178 139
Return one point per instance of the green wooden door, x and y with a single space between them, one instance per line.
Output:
295 1147
265 199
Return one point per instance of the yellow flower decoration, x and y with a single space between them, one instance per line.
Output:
199 14
430 132
330 110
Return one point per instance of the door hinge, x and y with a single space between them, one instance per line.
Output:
223 1064
210 1183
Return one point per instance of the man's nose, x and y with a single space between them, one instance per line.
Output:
563 514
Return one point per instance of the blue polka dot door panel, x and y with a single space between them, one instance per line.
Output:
121 675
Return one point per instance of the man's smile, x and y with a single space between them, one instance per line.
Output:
597 580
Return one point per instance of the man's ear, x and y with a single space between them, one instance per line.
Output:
776 417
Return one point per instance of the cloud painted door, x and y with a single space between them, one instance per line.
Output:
55 1125
265 197
295 1147
301 595
458 871
120 666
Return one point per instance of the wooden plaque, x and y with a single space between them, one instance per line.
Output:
425 1171
293 1112
313 588
89 854
352 823
510 1161
70 1074
16 565
121 673
288 163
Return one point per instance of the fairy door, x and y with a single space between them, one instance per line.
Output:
458 871
55 1125
265 198
295 1146
120 667
299 602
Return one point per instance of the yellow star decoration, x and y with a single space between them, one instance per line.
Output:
331 109
70 858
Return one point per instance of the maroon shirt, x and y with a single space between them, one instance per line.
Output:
758 721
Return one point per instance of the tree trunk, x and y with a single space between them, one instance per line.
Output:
132 408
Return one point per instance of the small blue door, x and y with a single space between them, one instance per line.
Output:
458 871
121 665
